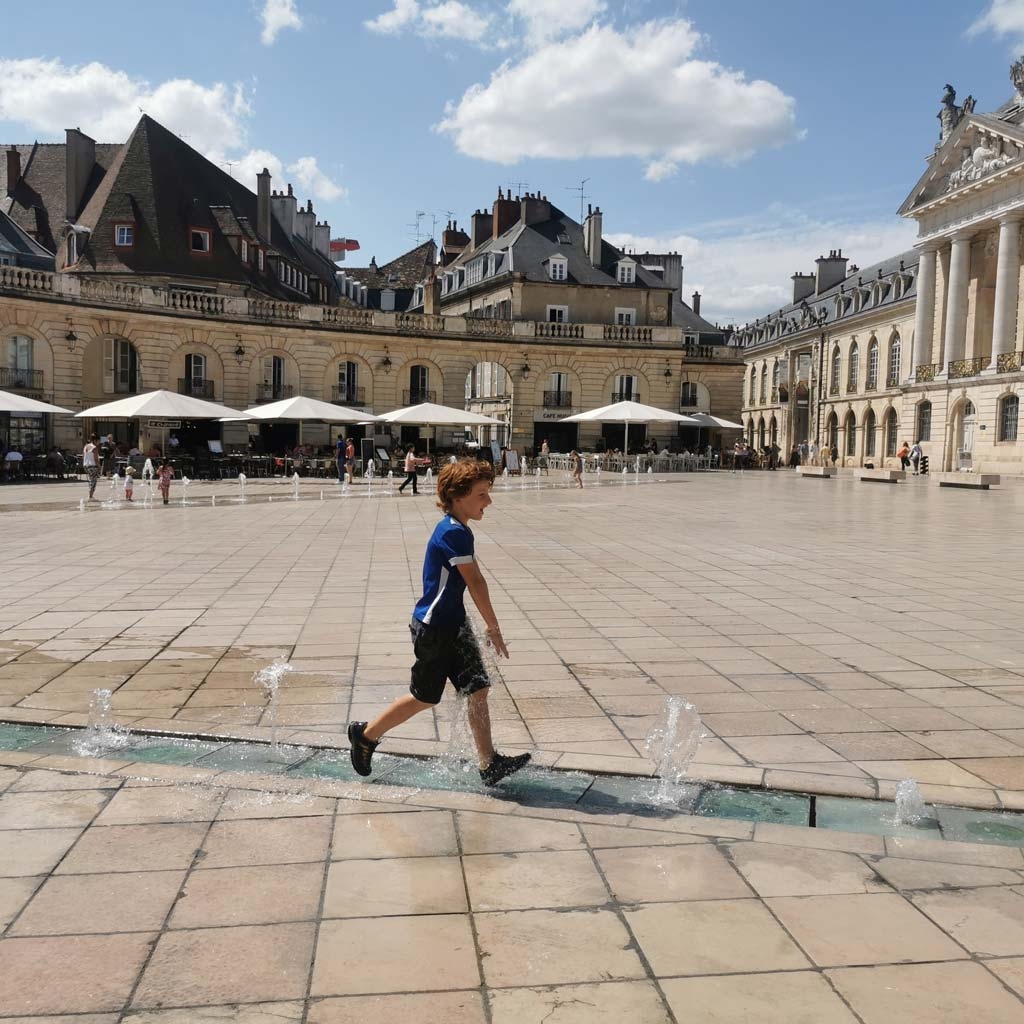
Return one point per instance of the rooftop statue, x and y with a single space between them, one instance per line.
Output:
1017 77
949 114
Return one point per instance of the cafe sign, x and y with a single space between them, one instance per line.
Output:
164 424
548 415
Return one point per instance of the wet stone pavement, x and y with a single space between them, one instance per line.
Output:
220 879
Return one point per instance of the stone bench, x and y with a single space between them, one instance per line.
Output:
979 481
819 471
885 476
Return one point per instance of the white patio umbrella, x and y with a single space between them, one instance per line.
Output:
159 405
705 419
629 412
300 408
428 414
18 403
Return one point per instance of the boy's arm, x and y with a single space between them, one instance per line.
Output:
477 587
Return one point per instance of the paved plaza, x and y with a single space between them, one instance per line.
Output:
836 637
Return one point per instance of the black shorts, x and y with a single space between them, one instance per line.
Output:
443 654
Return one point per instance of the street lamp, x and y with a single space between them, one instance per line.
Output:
71 338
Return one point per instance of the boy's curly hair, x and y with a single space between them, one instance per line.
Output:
456 480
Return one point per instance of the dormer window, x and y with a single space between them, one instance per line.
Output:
261 260
625 271
245 251
558 268
199 240
124 236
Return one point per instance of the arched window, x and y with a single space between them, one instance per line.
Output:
869 432
688 397
625 388
892 427
760 433
924 421
750 433
1008 409
419 386
773 432
892 375
872 381
763 395
776 377
753 384
832 430
837 369
17 369
851 434
851 376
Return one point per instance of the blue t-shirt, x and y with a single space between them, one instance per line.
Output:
450 546
339 450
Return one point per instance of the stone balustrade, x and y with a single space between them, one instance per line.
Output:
74 288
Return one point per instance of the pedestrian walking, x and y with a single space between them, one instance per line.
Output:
904 455
410 470
339 458
350 458
91 463
129 483
443 642
545 452
577 468
916 454
107 455
164 476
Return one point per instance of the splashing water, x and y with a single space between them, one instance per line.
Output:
390 488
112 498
536 478
185 485
428 480
269 679
910 808
241 486
295 486
672 744
625 473
346 482
598 475
504 479
650 472
147 470
103 732
636 464
81 505
147 491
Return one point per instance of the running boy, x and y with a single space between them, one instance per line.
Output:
443 642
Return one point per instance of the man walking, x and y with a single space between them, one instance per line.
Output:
410 470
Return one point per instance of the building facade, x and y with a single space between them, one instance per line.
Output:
927 346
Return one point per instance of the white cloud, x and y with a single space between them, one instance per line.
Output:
46 96
549 19
405 12
313 181
276 16
1001 18
607 93
661 170
742 268
455 20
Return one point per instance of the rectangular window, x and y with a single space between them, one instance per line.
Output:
124 235
72 249
120 367
558 314
199 240
260 260
625 388
688 399
924 421
1008 411
6 261
627 273
557 270
625 317
245 251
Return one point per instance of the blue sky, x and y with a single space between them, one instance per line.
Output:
750 136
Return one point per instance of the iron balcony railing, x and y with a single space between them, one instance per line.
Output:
960 368
625 396
1008 362
196 388
273 392
348 395
928 372
21 380
557 399
417 397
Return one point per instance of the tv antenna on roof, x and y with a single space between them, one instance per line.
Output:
519 186
230 165
414 227
579 188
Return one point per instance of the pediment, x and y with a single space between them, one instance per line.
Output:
979 147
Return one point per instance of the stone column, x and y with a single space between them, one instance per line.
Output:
924 311
955 342
1004 320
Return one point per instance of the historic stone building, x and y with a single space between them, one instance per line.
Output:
926 346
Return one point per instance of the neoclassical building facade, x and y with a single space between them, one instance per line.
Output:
927 346
82 342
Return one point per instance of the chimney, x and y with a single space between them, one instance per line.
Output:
480 229
284 205
305 222
534 209
322 239
592 234
504 214
263 205
13 169
79 160
454 241
696 303
831 270
803 286
432 295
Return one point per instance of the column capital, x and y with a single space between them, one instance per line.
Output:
932 245
964 235
1013 217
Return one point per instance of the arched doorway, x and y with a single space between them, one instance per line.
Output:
892 429
963 435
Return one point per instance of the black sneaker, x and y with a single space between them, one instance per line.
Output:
501 767
362 749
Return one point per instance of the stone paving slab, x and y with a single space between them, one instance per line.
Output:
154 901
825 655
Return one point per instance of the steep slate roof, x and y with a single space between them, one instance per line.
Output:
684 316
26 251
402 275
38 204
904 262
163 186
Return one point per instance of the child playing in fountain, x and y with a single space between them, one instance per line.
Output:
164 476
443 642
129 483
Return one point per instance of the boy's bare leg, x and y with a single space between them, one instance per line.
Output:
480 724
401 710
